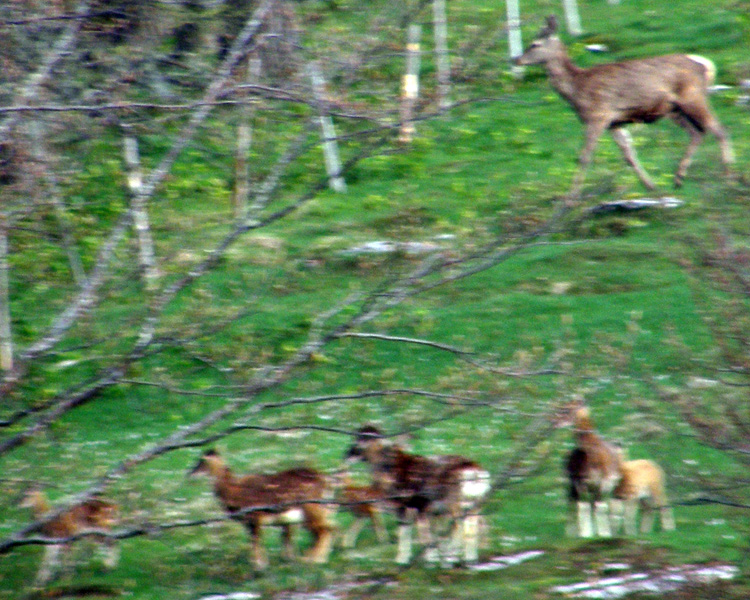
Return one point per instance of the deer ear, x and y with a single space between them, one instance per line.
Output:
550 28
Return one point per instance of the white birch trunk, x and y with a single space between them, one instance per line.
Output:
6 339
515 44
140 215
410 86
330 147
442 60
572 17
244 141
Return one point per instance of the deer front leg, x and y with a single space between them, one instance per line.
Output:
404 543
260 562
287 536
625 142
594 131
50 563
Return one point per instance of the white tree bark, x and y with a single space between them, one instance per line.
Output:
244 141
6 340
410 85
515 44
330 147
146 253
442 60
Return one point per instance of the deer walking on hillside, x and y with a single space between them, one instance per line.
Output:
610 96
365 503
425 487
286 498
594 470
642 483
89 515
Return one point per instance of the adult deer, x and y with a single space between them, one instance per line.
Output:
610 96
423 488
285 499
594 470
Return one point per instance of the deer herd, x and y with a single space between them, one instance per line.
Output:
605 491
426 492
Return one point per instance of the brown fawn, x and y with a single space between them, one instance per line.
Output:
642 483
423 488
594 470
365 503
610 96
286 498
92 514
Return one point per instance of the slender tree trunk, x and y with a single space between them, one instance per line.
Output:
244 140
442 60
61 211
572 17
410 84
330 147
515 44
6 340
138 206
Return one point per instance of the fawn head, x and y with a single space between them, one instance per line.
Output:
207 464
368 437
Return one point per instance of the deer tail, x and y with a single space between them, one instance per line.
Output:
708 66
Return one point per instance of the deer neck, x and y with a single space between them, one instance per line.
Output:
39 505
586 437
562 74
223 478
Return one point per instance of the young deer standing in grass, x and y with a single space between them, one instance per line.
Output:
610 96
594 470
422 488
89 515
642 483
286 498
365 502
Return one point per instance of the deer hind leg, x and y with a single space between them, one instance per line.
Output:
617 514
425 538
317 520
585 521
403 555
696 137
601 513
471 526
351 534
110 553
377 523
667 518
631 510
625 142
647 515
287 539
698 112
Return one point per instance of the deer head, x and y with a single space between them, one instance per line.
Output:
545 47
368 437
207 464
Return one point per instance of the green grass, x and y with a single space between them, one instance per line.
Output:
613 293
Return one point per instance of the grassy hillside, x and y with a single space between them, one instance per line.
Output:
608 303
